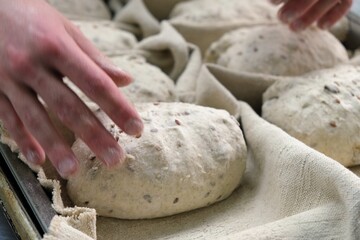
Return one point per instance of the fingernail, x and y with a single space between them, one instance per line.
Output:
113 156
297 26
287 16
32 157
134 127
66 167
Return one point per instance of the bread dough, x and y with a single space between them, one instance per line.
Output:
213 13
187 157
202 22
149 84
321 109
276 50
82 9
106 37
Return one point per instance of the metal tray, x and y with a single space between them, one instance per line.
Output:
35 200
29 194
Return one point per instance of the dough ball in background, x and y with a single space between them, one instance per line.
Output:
276 50
204 21
217 12
188 157
106 37
321 109
82 9
149 84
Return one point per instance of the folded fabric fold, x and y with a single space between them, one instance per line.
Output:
136 17
229 86
167 50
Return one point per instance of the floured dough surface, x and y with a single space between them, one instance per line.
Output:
188 157
106 37
276 50
219 12
149 84
321 109
81 9
202 22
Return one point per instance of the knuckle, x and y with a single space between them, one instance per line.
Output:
67 111
19 62
49 45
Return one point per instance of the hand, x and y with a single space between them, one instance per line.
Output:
38 47
300 14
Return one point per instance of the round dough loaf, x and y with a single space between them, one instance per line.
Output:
276 50
202 22
188 157
321 109
106 37
149 84
82 9
212 13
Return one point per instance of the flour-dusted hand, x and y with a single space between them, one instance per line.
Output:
38 47
300 14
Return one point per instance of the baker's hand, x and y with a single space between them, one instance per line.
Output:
37 47
300 14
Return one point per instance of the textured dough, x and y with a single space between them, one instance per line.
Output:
276 50
188 157
106 37
214 13
321 109
81 9
149 84
202 22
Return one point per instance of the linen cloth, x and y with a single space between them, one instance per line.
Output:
289 191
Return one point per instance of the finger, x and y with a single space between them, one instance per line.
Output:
294 9
313 14
25 141
36 120
97 85
75 115
332 16
120 77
